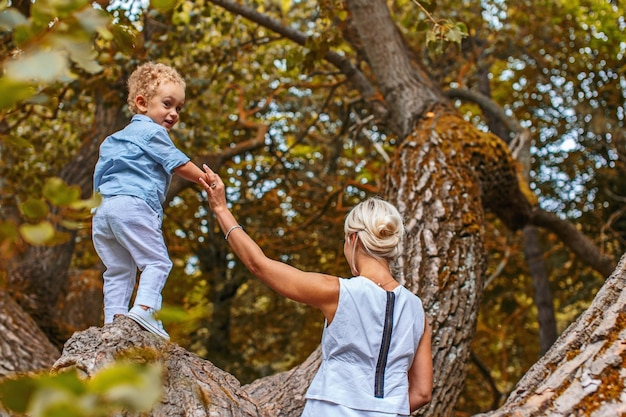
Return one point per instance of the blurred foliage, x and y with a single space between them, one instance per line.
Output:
556 66
55 36
121 387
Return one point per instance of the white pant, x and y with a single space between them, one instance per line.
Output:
127 236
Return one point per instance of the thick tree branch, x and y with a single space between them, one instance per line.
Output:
582 246
487 105
582 374
192 386
24 347
341 62
408 91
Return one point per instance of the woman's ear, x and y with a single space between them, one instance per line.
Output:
141 103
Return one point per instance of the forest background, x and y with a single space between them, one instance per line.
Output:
298 145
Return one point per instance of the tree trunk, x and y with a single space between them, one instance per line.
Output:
443 260
443 175
542 294
583 373
192 386
23 347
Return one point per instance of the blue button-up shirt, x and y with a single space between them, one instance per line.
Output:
138 161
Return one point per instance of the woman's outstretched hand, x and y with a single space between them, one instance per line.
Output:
214 187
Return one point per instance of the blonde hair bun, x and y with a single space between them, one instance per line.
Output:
379 227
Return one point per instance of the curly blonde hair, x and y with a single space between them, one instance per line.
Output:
146 79
378 224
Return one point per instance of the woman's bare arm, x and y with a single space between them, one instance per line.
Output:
421 373
315 289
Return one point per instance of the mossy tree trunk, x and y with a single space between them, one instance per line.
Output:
443 176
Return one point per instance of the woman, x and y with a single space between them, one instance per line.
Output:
376 353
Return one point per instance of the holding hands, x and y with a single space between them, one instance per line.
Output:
214 187
322 292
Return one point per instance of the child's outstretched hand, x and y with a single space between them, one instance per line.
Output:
214 187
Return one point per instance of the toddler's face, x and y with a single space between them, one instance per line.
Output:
164 107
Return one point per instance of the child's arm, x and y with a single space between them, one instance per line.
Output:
190 172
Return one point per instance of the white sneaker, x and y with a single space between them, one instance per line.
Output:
146 319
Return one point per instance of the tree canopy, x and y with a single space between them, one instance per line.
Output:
480 120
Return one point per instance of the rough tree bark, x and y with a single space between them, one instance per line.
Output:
23 347
583 373
443 175
192 386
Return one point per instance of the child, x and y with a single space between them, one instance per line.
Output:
133 174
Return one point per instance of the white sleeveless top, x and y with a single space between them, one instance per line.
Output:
353 372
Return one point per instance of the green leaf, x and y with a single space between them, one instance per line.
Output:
59 193
10 18
59 238
80 52
71 224
92 202
435 47
124 37
16 142
34 209
43 66
14 91
16 393
163 5
61 406
456 33
133 386
37 234
50 401
8 231
44 11
93 20
69 381
22 34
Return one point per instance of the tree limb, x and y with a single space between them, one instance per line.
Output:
343 63
487 105
580 244
582 374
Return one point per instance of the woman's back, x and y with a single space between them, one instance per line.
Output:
359 369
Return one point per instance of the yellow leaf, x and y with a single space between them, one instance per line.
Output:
37 234
44 66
